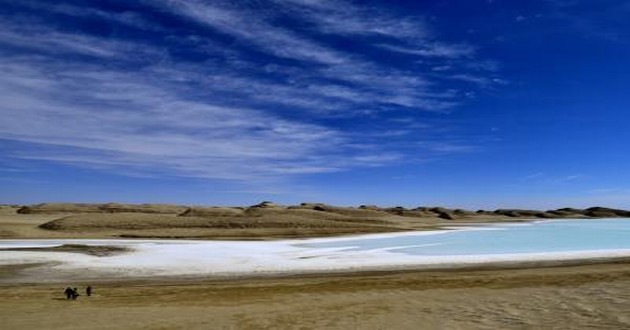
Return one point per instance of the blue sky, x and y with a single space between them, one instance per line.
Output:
475 104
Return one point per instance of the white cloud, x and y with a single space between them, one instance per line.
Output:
119 119
342 17
128 18
61 43
276 41
434 50
129 105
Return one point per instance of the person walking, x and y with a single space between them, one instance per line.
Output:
69 293
88 291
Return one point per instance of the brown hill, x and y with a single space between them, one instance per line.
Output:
219 222
264 220
55 208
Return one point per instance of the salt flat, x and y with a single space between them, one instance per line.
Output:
542 241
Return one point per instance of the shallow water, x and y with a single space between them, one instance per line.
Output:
534 237
472 246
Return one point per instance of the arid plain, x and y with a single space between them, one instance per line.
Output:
562 296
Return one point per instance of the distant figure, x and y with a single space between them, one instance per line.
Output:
75 294
69 293
88 291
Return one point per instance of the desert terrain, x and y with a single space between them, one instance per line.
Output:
557 296
262 221
573 297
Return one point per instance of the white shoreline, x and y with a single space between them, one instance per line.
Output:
194 258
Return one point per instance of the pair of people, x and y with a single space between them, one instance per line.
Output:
73 293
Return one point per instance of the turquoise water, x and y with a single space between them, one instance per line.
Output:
537 237
537 241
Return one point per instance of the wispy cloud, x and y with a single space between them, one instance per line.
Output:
252 106
130 18
249 28
400 34
120 119
345 18
435 50
53 42
540 177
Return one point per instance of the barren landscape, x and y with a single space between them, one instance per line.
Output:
262 221
550 295
314 164
576 297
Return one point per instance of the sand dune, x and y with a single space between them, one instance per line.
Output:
365 211
56 208
262 221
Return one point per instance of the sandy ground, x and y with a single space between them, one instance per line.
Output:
578 297
568 297
25 226
257 222
14 225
